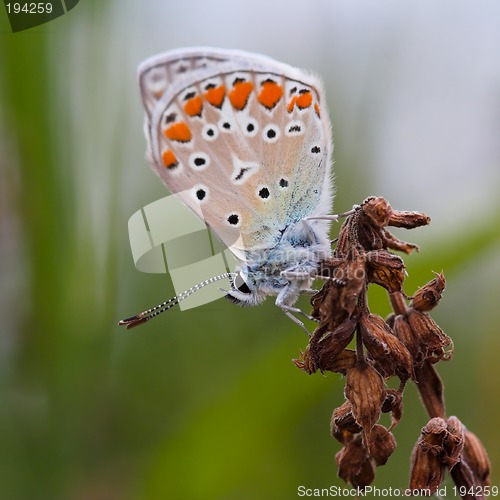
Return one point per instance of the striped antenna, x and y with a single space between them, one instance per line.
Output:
144 316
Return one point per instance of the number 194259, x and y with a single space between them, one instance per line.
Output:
29 8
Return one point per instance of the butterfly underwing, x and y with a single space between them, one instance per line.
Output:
245 142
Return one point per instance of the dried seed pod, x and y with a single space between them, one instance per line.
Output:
427 469
328 305
365 390
454 442
390 241
408 220
327 267
428 297
345 360
385 269
382 444
369 236
318 298
428 334
325 350
343 426
378 210
384 347
434 433
365 476
354 465
355 282
404 333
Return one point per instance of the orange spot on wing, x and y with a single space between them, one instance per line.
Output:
302 101
215 96
169 159
178 132
239 94
316 108
194 106
270 94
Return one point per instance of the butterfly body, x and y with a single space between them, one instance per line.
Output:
245 142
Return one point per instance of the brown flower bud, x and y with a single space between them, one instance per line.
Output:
408 220
384 347
325 350
345 360
454 442
385 269
329 303
354 279
365 476
365 390
429 295
382 444
319 298
434 432
427 470
404 333
429 335
390 241
354 465
327 267
370 237
378 210
343 426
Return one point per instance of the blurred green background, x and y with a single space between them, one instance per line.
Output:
206 404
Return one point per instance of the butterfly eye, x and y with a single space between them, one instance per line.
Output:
240 284
244 288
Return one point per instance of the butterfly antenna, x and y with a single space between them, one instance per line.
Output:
144 316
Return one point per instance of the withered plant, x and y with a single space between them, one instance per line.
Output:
407 345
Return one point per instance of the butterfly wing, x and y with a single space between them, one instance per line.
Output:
242 139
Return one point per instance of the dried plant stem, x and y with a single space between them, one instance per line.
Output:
398 303
407 345
431 390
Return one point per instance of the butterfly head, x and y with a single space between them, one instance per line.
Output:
244 291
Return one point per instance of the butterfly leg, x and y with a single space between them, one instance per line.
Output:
296 321
287 295
291 292
333 217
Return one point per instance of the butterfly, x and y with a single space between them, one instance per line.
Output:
244 142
